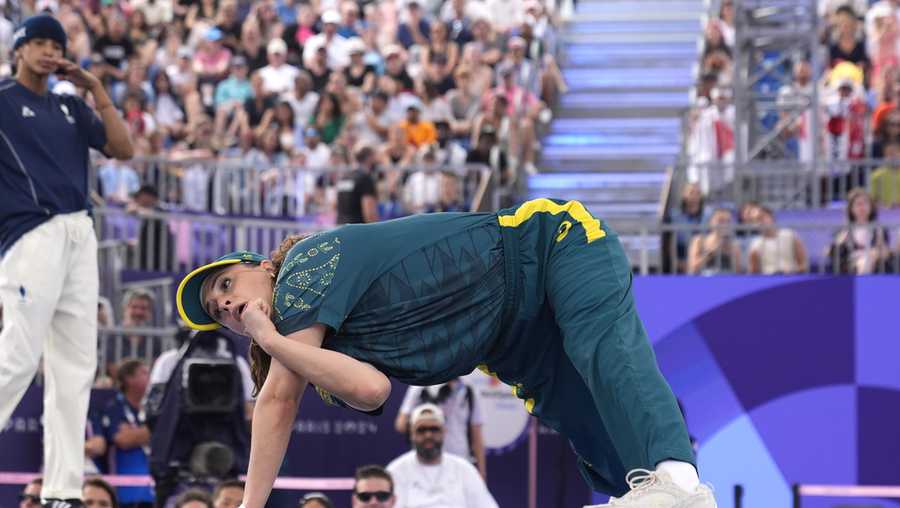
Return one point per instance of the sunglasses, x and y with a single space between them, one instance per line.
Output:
425 430
31 498
381 496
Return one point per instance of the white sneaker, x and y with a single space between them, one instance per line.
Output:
655 489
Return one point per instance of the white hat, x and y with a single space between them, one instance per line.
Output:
276 46
356 45
426 412
331 16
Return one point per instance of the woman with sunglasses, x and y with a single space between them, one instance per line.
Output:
538 295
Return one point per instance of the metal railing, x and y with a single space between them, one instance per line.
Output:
116 344
686 249
252 188
782 184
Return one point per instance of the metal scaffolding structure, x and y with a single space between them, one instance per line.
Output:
770 37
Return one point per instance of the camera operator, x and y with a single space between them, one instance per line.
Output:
197 408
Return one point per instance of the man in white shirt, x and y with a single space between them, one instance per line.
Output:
461 405
334 43
426 477
278 77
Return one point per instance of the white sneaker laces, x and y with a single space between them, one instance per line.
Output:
639 480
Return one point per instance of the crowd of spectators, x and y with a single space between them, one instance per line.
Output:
305 85
857 88
709 240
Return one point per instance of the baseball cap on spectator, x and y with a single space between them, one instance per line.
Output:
311 132
356 45
426 411
213 34
184 52
331 16
238 61
276 46
393 50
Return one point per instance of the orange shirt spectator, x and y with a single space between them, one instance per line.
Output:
418 132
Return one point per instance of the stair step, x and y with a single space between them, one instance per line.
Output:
580 26
635 7
662 15
571 140
608 163
602 38
604 151
615 125
636 99
580 80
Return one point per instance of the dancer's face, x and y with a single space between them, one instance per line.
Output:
227 292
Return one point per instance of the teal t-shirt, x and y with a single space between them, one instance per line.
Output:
419 298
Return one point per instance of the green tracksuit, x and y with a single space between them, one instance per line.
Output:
538 295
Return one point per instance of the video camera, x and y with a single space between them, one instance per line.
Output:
197 418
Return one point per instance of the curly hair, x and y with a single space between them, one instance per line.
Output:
260 361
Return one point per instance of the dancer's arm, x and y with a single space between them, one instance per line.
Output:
273 419
356 383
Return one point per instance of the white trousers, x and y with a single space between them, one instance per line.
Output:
49 287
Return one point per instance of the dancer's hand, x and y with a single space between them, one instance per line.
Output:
257 323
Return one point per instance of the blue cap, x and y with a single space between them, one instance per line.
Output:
42 26
311 132
188 299
213 34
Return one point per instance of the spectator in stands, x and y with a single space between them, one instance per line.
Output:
138 312
118 181
690 213
458 16
881 35
427 476
316 500
845 110
415 29
194 498
228 494
114 45
884 184
155 249
328 118
359 74
167 107
794 96
95 445
278 77
259 107
334 43
862 247
303 100
350 25
230 96
847 42
450 151
715 252
395 68
887 130
464 103
211 60
125 429
251 46
418 132
462 407
31 494
712 142
97 493
373 488
315 154
357 198
776 250
488 152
